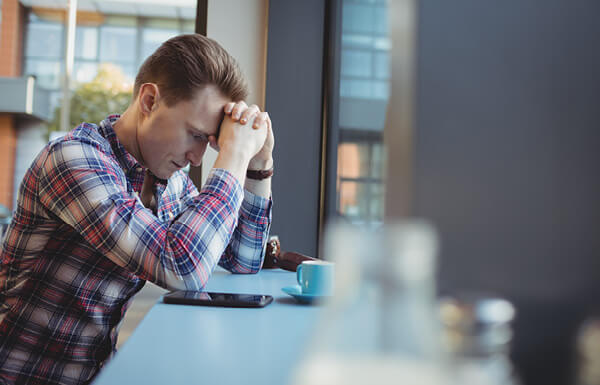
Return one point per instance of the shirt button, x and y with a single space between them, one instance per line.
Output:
139 169
170 215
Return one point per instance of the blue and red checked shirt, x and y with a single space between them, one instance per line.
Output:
81 244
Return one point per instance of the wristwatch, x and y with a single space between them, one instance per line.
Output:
259 174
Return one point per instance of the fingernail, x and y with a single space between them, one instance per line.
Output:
243 120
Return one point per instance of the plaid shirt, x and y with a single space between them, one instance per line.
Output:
81 244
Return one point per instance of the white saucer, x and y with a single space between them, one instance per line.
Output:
296 292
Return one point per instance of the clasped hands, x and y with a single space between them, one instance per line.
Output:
247 132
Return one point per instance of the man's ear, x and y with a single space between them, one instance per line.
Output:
148 98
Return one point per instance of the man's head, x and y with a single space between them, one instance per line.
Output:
186 63
180 92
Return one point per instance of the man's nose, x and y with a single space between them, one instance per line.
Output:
194 155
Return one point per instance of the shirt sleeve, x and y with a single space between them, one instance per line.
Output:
85 188
245 252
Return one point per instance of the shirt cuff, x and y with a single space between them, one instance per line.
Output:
222 184
256 208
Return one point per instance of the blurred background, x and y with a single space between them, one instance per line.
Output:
481 117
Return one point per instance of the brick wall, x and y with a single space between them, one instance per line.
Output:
11 54
11 38
8 143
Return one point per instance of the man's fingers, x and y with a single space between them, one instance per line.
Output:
261 119
237 110
249 114
229 107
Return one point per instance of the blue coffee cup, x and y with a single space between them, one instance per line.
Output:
316 277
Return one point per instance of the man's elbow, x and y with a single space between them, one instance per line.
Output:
239 269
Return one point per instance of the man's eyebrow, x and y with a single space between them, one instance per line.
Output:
198 130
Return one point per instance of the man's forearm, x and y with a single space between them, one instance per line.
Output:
259 187
234 162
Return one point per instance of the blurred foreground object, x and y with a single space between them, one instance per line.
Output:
477 335
381 325
588 352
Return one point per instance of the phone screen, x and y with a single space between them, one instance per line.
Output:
205 298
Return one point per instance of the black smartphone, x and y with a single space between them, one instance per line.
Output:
206 298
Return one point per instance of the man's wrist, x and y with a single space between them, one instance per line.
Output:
260 164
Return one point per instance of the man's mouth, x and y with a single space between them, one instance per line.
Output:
177 165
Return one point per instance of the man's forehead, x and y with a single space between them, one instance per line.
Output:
208 110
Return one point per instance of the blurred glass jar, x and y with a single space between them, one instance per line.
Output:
381 325
588 353
476 335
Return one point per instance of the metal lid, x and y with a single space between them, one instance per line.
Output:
476 324
472 310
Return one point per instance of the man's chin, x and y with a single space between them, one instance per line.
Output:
162 174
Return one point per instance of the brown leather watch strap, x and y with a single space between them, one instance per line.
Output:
289 260
259 174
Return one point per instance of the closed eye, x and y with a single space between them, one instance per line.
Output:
200 137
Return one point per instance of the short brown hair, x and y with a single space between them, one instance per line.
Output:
186 63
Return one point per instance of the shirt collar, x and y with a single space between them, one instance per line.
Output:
127 161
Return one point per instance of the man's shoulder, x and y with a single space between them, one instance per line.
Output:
86 134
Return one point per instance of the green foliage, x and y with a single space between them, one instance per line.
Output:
108 93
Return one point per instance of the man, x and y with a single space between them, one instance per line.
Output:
107 207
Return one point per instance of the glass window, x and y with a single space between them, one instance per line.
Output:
55 100
382 65
86 42
364 74
44 39
84 71
152 38
117 44
358 18
357 63
47 72
188 26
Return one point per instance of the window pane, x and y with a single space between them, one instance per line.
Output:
188 26
86 42
353 160
357 63
382 65
364 74
117 44
44 40
376 203
358 18
377 161
47 72
55 100
152 38
354 201
84 72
